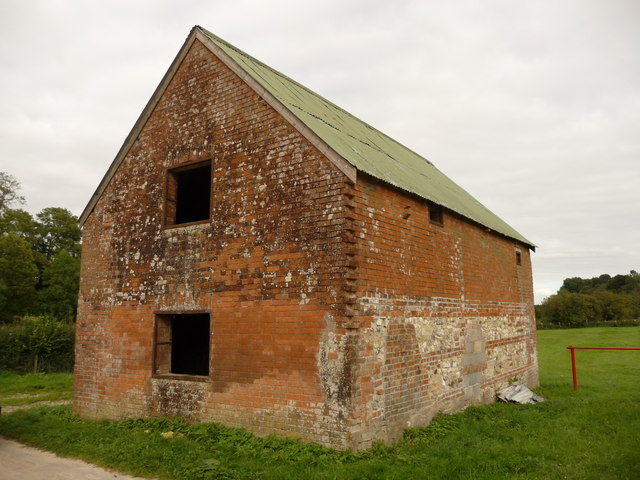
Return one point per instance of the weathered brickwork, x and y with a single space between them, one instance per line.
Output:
445 313
338 313
268 266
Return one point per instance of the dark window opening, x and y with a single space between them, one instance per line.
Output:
436 214
518 258
182 344
188 194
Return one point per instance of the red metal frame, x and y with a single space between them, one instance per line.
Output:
573 358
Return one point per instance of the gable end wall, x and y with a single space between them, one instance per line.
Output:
269 267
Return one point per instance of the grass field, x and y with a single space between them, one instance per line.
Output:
593 433
34 387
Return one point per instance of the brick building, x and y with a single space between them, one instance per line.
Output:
258 257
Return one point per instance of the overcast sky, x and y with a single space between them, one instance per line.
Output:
531 106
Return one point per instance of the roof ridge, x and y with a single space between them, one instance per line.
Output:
351 144
363 146
277 72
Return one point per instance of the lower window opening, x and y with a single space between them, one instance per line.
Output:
182 344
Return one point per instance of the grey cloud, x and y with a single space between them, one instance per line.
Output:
533 107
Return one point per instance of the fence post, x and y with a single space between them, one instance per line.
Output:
573 368
573 358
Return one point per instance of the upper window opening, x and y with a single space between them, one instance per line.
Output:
182 344
518 258
436 214
188 194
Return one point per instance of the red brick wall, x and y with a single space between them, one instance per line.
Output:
445 312
269 267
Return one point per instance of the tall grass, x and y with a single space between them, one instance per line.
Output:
593 433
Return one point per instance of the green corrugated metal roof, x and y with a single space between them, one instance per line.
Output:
364 147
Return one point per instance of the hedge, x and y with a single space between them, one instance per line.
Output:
37 344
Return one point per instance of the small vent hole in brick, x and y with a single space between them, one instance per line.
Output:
436 214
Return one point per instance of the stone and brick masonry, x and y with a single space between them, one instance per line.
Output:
339 313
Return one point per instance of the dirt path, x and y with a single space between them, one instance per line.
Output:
13 408
19 462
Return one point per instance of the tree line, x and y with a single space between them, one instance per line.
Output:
39 259
598 301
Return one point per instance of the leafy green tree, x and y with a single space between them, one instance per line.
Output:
601 281
583 302
19 222
39 258
569 309
574 284
58 230
613 306
61 280
18 277
9 187
617 284
45 337
37 344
